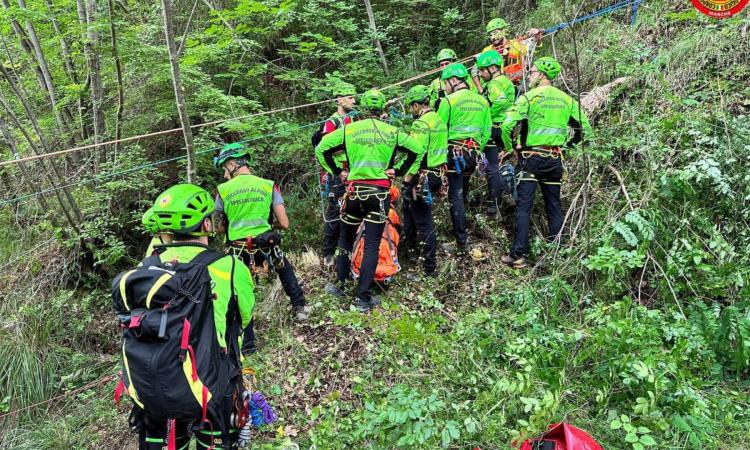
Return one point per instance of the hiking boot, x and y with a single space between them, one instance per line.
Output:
363 305
518 263
413 276
302 312
374 301
328 261
507 203
334 290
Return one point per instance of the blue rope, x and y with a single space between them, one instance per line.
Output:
146 166
601 12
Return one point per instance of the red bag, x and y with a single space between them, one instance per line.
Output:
388 265
562 436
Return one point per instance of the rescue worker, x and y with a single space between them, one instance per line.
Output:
184 211
370 146
500 93
246 207
333 188
545 113
513 51
467 116
424 180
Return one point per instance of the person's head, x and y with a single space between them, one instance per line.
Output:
234 159
417 99
345 96
543 71
454 76
490 64
445 57
184 210
497 31
372 102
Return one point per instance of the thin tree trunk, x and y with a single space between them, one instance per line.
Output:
38 131
374 29
166 7
26 176
70 206
25 44
118 70
42 63
86 15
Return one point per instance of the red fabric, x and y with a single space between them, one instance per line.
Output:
565 437
330 126
204 405
194 362
379 183
185 335
119 390
135 322
172 436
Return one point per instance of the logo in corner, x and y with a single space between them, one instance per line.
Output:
720 9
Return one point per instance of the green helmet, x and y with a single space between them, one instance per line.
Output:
457 70
489 58
343 89
548 66
373 100
417 94
234 150
149 221
181 208
496 24
446 54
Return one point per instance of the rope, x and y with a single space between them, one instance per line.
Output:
98 382
105 176
606 10
546 32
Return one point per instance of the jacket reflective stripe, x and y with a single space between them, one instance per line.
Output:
548 131
247 223
375 164
131 389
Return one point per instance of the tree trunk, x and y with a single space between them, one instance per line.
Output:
86 15
35 124
166 7
118 70
374 29
70 206
50 87
26 176
25 44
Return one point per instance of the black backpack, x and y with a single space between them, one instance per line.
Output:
173 367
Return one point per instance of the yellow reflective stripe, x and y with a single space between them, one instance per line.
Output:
195 386
123 280
159 283
551 182
131 388
226 276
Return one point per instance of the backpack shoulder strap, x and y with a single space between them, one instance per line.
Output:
207 257
149 261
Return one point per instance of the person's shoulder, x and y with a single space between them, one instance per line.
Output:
223 267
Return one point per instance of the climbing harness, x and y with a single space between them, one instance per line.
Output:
269 246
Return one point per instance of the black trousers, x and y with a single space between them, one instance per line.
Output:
370 205
458 189
547 172
288 281
492 171
419 226
332 218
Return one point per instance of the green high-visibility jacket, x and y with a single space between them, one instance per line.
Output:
338 120
438 85
467 116
247 205
370 146
547 113
222 277
432 134
501 93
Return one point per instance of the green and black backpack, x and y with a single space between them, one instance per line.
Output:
172 365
